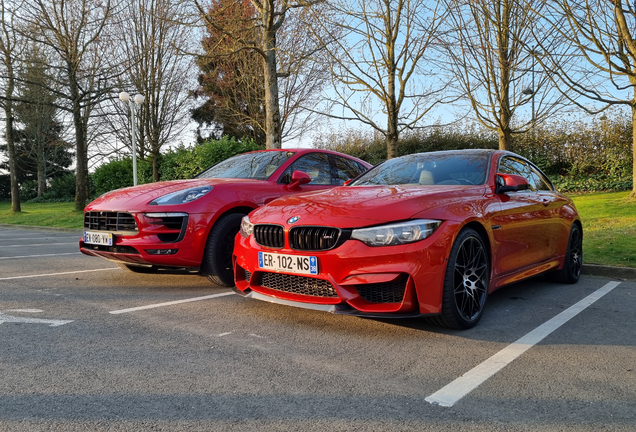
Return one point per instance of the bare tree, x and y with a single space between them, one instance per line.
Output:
10 49
152 39
491 56
381 56
77 32
600 40
268 18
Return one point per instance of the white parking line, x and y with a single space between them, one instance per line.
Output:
40 244
156 305
36 256
453 392
57 274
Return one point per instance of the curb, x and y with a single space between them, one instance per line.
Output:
609 272
587 269
41 228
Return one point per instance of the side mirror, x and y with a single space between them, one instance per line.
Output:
298 178
510 183
347 182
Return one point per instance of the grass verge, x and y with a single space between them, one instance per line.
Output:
609 224
609 228
60 215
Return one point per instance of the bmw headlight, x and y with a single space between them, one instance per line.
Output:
247 227
182 196
397 233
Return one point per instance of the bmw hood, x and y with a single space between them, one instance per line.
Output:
355 206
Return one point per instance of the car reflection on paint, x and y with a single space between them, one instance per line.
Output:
428 234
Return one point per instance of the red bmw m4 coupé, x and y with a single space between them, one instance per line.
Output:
428 234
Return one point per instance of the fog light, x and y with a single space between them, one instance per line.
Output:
162 251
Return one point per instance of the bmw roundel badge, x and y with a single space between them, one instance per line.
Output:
293 220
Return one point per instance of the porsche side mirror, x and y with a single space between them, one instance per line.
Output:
347 182
511 183
298 178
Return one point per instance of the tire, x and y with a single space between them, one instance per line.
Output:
138 268
217 258
571 271
466 282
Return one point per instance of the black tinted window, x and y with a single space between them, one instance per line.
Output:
346 169
315 164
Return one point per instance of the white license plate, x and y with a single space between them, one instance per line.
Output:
98 238
288 263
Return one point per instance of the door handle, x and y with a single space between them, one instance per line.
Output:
546 202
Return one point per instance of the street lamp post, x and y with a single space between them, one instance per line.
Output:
137 100
532 91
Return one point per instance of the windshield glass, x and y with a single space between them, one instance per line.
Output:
259 166
435 168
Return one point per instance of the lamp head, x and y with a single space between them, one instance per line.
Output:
124 97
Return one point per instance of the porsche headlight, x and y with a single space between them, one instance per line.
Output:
182 196
397 233
247 227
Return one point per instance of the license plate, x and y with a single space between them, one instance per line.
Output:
98 238
288 263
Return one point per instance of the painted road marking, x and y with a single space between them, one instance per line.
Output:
453 392
36 256
12 319
58 274
38 238
156 305
40 244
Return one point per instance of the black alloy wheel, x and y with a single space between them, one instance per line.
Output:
217 258
571 271
466 282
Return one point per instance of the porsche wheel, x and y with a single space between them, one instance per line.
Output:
217 258
571 271
465 282
138 268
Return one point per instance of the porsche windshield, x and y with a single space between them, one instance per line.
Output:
258 165
436 168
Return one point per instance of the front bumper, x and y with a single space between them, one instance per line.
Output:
354 279
157 243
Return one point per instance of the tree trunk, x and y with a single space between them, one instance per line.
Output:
8 114
41 171
272 111
504 139
13 173
81 167
633 194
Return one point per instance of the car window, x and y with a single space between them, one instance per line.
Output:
437 168
257 165
513 165
315 164
540 181
346 169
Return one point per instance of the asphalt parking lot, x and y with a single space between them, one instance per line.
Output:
86 345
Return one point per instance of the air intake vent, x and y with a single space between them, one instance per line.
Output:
109 221
272 236
385 292
313 238
297 285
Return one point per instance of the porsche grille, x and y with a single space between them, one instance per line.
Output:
109 221
297 285
313 238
